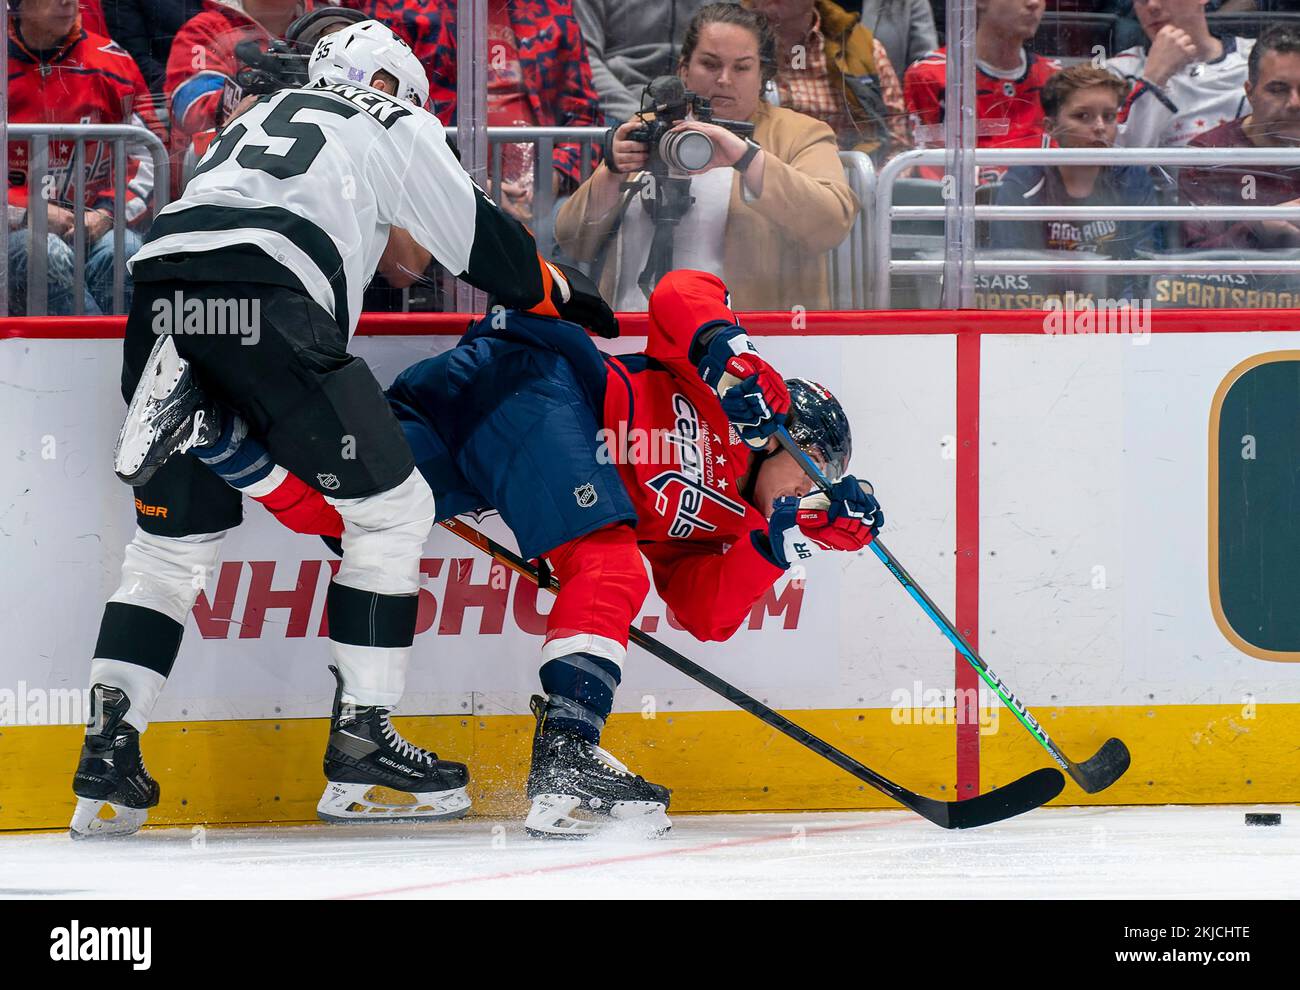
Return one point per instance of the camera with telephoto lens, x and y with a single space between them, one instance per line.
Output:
665 193
665 104
280 65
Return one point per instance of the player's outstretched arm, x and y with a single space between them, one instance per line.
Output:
459 224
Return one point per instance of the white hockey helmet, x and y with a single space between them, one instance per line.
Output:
356 53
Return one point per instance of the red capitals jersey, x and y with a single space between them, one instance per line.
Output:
88 79
1009 112
684 465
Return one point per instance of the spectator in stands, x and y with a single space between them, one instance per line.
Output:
1184 81
629 44
904 27
1009 82
200 86
92 16
1081 110
61 73
60 282
1273 88
1074 29
831 67
538 75
145 28
764 211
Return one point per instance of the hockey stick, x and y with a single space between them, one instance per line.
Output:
1094 774
1015 798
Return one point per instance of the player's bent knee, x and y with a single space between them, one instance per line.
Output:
166 573
383 536
603 584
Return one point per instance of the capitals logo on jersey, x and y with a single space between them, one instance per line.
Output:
687 482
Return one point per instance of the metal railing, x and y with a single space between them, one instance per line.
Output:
847 265
120 135
885 266
544 139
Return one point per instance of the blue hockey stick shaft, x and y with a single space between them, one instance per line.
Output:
939 619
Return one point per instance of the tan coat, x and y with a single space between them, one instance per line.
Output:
774 254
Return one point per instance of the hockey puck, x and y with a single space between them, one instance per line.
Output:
1264 818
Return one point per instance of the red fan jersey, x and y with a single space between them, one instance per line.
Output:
684 465
200 78
88 79
1009 110
92 17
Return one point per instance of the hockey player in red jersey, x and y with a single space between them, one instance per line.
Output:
1008 79
595 462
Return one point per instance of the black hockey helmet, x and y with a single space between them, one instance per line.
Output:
817 423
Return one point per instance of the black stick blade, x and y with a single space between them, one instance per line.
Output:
1104 768
1026 794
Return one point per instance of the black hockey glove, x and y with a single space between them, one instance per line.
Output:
579 301
575 298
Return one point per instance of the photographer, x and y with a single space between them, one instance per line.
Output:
761 213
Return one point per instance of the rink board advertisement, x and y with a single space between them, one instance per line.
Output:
1110 543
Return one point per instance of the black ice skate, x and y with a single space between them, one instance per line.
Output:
570 775
168 415
367 761
111 771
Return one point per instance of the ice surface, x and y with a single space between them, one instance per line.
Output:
1194 852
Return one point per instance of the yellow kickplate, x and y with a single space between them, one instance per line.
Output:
266 771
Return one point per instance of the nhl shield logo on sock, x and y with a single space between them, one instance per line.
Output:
585 496
329 482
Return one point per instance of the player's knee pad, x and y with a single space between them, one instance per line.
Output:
383 537
166 573
140 633
603 584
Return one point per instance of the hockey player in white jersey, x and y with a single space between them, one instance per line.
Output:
252 284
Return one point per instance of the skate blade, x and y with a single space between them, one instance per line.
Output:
649 816
349 804
89 823
163 371
552 816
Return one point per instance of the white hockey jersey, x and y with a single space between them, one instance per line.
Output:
1198 98
313 178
